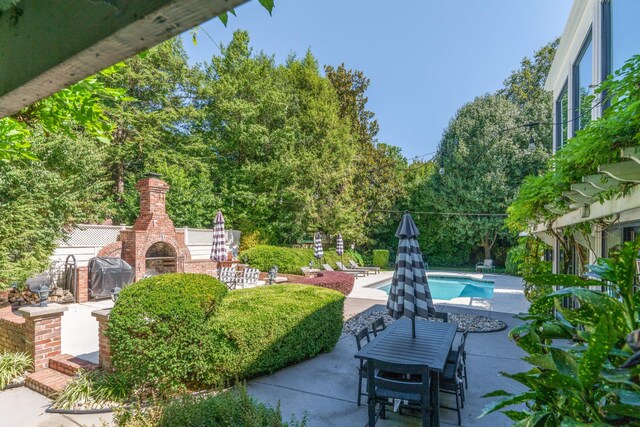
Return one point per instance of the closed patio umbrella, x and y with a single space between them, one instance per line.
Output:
317 246
409 295
339 246
219 245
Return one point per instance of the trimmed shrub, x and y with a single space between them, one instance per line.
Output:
341 282
258 331
380 258
231 408
156 329
178 331
289 260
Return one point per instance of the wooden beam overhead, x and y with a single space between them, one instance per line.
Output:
577 197
46 46
632 153
601 181
623 171
586 189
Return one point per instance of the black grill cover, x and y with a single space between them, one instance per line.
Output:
107 273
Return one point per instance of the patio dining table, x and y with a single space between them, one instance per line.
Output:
430 347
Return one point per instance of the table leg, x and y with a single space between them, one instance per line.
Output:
435 399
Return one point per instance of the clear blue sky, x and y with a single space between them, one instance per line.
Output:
425 58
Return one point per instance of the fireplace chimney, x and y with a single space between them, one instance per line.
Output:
153 212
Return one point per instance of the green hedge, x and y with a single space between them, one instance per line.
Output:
178 331
260 330
156 329
380 258
289 260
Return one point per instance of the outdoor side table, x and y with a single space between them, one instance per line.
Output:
430 347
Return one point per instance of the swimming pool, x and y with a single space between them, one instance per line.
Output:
450 287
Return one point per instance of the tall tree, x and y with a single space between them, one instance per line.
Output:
525 88
153 133
485 157
379 167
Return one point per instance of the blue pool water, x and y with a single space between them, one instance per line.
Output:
446 288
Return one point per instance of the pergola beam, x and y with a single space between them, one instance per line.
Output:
577 197
601 181
46 46
586 189
622 171
632 153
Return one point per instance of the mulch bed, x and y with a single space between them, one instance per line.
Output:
465 321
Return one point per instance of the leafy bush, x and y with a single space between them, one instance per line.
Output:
527 258
251 240
156 329
591 381
380 258
341 282
232 408
289 260
258 331
12 367
175 331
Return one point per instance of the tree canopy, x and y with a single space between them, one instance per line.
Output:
284 149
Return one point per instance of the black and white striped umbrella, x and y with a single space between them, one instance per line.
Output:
219 246
317 246
339 245
409 295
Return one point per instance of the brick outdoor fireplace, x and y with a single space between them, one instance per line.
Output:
152 246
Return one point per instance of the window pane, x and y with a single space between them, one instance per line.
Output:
625 31
582 85
562 116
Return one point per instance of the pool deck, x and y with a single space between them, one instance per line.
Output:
508 294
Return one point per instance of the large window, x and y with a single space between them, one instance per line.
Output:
623 31
582 81
562 116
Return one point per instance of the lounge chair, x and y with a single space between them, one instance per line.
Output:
486 266
354 264
249 277
353 270
227 275
353 273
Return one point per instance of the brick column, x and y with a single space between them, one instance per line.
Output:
42 332
83 284
104 352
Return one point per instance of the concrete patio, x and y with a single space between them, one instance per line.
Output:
323 388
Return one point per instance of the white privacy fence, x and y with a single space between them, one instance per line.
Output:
86 241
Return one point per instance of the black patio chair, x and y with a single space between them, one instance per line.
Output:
451 380
453 355
442 315
378 326
410 383
362 369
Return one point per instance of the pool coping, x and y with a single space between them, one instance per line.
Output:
473 302
508 295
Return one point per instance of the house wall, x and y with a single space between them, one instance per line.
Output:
585 16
